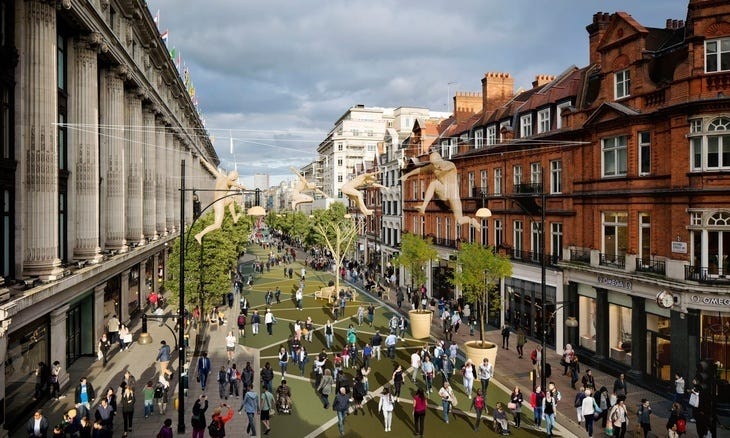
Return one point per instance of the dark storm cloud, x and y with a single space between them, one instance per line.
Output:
297 66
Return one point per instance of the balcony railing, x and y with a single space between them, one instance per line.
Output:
533 257
613 260
712 274
528 189
440 241
651 266
580 255
476 192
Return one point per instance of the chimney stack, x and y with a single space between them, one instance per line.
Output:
596 30
542 80
466 104
497 89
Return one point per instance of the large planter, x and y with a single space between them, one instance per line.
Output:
477 351
420 323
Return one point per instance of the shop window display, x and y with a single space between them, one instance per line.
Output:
27 347
715 343
619 334
587 322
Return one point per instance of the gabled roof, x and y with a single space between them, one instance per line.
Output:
617 30
608 111
564 86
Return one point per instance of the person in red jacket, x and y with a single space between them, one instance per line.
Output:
222 420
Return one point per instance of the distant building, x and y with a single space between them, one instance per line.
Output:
261 181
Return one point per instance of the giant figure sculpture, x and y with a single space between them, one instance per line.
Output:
350 189
224 185
444 185
302 185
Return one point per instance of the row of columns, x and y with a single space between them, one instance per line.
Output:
124 173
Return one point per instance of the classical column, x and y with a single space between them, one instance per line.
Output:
112 142
4 325
124 296
84 109
170 176
134 167
177 178
161 177
155 264
191 182
37 132
149 193
58 349
99 323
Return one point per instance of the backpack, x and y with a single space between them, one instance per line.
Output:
681 425
158 392
533 356
241 320
214 429
578 400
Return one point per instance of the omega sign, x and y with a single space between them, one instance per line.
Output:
614 282
710 300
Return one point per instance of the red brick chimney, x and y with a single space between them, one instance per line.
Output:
466 104
542 80
596 30
497 89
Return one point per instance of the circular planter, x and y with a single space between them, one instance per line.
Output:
420 323
477 351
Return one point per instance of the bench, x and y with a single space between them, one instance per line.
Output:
326 293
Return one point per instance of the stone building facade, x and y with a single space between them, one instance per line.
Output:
95 124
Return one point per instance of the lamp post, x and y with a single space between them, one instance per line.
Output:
253 211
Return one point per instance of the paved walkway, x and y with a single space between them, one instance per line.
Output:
512 371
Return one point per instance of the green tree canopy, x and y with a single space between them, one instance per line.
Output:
217 257
478 273
415 253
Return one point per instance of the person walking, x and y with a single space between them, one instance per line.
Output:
104 346
37 426
197 420
222 383
267 405
148 396
283 360
324 389
644 415
161 396
203 369
329 332
515 404
419 411
386 406
218 421
620 387
485 372
536 403
234 379
390 343
84 395
505 336
428 372
250 404
468 373
588 381
415 365
54 380
231 341
269 321
163 357
128 402
397 380
166 429
588 409
549 410
241 323
267 376
112 327
521 341
376 342
341 406
255 321
478 403
448 400
679 389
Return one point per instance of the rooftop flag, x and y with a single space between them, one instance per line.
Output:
157 18
164 36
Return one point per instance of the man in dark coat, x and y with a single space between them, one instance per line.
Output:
37 427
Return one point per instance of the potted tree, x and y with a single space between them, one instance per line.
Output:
415 254
478 274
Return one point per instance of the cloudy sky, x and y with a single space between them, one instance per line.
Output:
273 76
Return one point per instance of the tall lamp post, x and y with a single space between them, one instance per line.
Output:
256 210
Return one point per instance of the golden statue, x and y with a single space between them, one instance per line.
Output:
350 189
302 185
224 185
444 185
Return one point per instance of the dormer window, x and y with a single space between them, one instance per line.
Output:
526 125
622 82
621 85
717 55
543 120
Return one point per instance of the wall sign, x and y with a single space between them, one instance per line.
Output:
614 282
679 247
710 300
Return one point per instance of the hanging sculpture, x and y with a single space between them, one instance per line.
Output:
225 186
351 189
445 186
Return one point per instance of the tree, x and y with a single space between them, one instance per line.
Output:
217 255
479 271
336 232
415 253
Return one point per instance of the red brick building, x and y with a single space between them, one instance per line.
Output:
630 158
